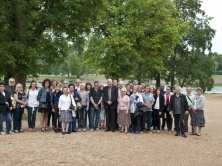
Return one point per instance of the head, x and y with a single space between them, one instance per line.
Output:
96 84
131 85
46 83
123 91
54 82
128 87
143 85
162 87
135 89
65 90
152 90
158 91
33 85
168 89
71 87
88 86
189 90
101 87
2 86
78 82
174 89
19 87
147 89
109 82
139 88
120 84
82 86
199 91
58 86
11 82
135 82
115 82
177 90
65 83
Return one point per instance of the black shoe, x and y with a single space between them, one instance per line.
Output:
184 136
113 130
63 133
107 130
68 132
74 131
177 134
186 131
56 130
162 128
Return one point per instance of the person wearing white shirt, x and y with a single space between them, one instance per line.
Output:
33 105
77 86
65 101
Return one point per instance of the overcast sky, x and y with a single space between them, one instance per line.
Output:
213 9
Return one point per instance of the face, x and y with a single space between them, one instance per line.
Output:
143 85
47 84
20 88
127 87
88 87
134 91
120 85
188 90
82 87
158 92
135 82
101 87
71 88
162 87
65 84
131 85
199 92
54 83
65 91
123 93
139 89
115 82
77 83
2 87
147 90
168 89
57 87
33 85
109 83
12 82
177 91
96 85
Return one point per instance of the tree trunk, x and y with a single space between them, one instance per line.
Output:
19 78
158 80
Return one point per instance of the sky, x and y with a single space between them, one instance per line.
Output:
213 9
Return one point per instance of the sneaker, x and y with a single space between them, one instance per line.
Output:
154 131
84 130
169 132
141 132
158 131
91 130
150 132
136 132
79 130
2 133
97 129
10 132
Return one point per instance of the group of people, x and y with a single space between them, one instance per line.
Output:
132 108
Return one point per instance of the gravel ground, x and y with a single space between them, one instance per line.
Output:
100 148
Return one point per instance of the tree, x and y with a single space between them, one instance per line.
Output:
35 34
74 65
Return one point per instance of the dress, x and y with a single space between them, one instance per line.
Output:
65 116
49 108
123 118
197 119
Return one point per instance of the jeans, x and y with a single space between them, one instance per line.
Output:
72 125
94 122
179 123
133 122
8 118
149 119
32 116
138 122
17 118
82 117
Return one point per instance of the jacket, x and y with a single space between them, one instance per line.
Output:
183 103
3 99
114 97
42 95
161 102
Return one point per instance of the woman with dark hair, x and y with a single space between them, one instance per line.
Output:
88 88
128 90
44 98
32 101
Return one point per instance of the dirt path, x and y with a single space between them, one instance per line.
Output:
100 148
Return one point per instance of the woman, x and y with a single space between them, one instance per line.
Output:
84 95
77 98
33 105
21 101
44 98
88 89
135 119
197 119
55 109
102 113
152 90
157 110
54 83
65 101
128 90
123 110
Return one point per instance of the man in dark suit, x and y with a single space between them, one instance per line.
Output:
110 96
5 109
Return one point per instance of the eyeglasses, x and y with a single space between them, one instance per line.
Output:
20 86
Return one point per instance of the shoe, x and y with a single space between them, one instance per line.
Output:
198 134
97 129
150 132
193 133
10 132
141 132
16 131
184 136
84 130
162 128
91 130
79 130
21 131
126 132
106 130
63 133
158 131
154 131
136 132
2 133
169 132
42 129
74 131
56 130
177 134
68 132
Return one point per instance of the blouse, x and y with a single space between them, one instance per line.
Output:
32 98
65 102
123 103
198 102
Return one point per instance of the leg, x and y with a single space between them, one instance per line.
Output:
97 118
149 114
67 127
46 117
34 118
92 118
181 118
15 119
29 116
186 117
132 122
1 121
113 119
73 123
176 118
20 119
63 127
8 118
154 119
158 120
143 120
138 122
80 119
48 120
169 121
108 119
84 117
55 120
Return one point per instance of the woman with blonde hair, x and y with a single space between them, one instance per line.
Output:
21 101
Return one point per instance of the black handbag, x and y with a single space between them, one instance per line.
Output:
42 105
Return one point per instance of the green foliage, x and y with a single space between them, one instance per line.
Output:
74 65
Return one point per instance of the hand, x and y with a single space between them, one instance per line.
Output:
7 103
148 107
127 112
187 112
59 112
53 110
170 113
10 108
87 108
109 102
76 98
117 111
160 113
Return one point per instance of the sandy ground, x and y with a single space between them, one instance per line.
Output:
100 148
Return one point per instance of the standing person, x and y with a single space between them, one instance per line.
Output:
190 97
120 86
123 110
10 88
110 96
128 90
5 109
179 107
66 84
21 101
166 117
77 86
197 118
84 95
33 104
102 113
88 89
115 83
152 90
77 98
158 107
54 83
135 83
135 98
96 97
65 101
148 100
55 107
142 87
44 98
162 91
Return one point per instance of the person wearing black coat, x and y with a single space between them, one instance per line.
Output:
178 107
158 108
110 96
5 109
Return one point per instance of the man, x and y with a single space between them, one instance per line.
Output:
190 96
110 96
179 107
148 101
10 88
5 109
135 82
120 85
162 91
142 87
65 83
77 86
96 96
115 82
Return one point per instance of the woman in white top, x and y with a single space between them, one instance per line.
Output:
65 101
33 105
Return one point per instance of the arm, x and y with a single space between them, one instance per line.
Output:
105 96
115 96
128 106
59 105
171 105
39 94
201 106
52 101
77 97
17 100
73 102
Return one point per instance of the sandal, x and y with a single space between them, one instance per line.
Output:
42 129
198 134
46 129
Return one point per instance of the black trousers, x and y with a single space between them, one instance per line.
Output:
138 122
51 114
111 121
156 119
32 116
169 120
179 122
56 123
133 122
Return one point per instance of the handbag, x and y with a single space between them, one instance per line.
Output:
13 102
42 105
71 108
78 105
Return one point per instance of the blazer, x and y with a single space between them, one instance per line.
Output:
183 103
3 99
161 102
114 97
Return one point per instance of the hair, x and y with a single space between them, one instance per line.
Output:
178 87
2 83
109 80
64 88
65 81
147 86
78 80
45 80
30 86
142 82
101 86
58 84
87 85
71 85
155 90
53 81
123 89
82 84
127 85
96 82
199 88
120 82
135 87
17 85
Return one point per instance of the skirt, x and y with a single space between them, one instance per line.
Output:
197 119
66 116
124 119
46 110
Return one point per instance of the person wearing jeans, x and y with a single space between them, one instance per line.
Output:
5 109
95 106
